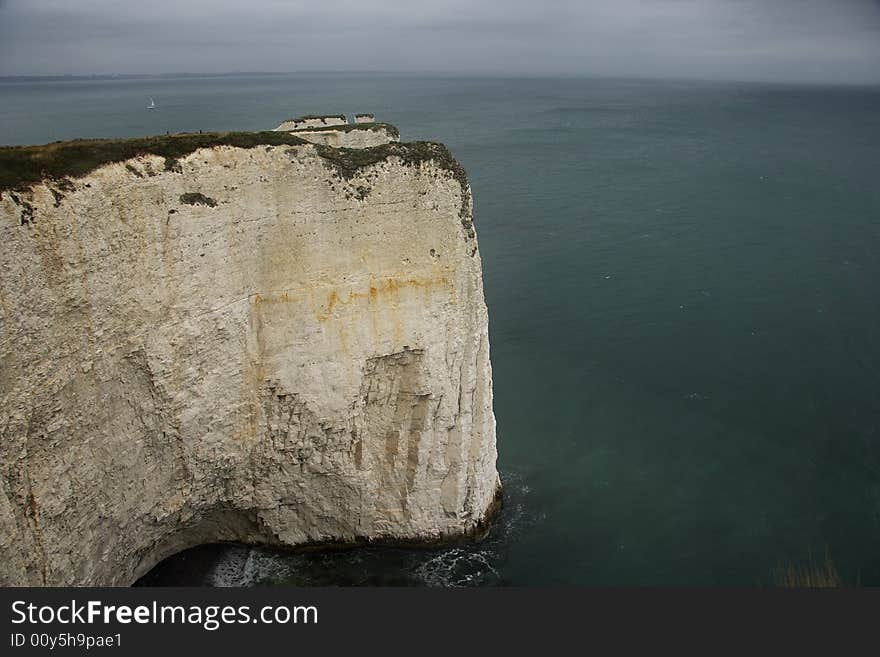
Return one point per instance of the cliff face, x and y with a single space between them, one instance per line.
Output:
276 343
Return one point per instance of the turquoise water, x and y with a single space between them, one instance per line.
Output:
683 283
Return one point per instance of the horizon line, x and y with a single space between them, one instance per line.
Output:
435 73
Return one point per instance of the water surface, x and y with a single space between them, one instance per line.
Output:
683 283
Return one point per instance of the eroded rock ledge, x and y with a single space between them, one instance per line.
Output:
236 337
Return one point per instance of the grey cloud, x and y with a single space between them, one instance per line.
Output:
817 40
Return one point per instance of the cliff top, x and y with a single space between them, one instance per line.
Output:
312 117
23 166
350 127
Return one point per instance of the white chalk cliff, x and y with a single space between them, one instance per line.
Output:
334 131
242 337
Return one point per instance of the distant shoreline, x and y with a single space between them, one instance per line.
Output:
131 76
107 77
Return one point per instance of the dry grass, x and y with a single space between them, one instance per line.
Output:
813 575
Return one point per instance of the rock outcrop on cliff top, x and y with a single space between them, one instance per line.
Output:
236 337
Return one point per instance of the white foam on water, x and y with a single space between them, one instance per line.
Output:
229 568
245 566
458 567
476 564
263 566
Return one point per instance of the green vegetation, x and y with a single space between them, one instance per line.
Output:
134 171
346 162
21 166
311 117
349 127
196 198
27 210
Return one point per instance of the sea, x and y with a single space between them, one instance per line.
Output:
683 282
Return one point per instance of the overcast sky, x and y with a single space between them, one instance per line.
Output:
795 40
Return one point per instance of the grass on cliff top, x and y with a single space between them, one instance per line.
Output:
347 161
349 127
21 166
312 117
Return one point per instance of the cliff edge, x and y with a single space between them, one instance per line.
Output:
236 337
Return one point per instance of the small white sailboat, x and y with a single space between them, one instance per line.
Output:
152 104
